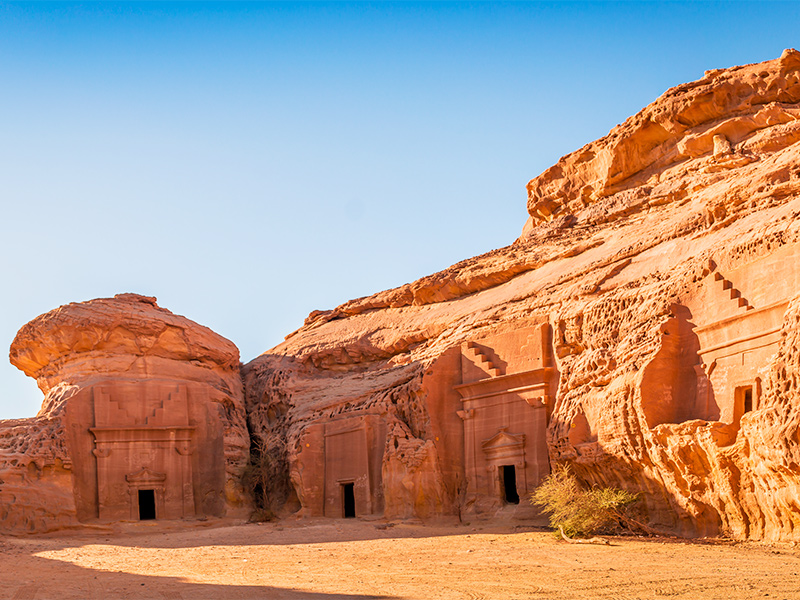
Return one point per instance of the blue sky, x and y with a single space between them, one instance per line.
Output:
249 163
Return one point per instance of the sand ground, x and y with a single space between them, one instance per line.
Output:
358 560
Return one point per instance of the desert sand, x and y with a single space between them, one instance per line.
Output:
334 559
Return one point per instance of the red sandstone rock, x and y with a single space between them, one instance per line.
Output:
142 407
127 333
642 329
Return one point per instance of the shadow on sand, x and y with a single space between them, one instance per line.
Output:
29 571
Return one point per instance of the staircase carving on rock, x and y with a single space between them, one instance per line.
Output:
732 293
479 358
506 396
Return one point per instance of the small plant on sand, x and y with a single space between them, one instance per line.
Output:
578 512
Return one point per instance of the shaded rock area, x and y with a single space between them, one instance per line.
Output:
143 417
643 329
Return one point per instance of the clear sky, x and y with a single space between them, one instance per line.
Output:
249 163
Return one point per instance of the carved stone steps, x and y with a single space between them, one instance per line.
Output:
482 361
733 294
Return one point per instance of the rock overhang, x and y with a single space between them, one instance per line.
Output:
713 123
104 331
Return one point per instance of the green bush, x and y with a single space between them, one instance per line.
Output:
580 512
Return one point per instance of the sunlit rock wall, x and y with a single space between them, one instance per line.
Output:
661 261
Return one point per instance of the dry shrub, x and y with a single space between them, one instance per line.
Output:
259 477
580 512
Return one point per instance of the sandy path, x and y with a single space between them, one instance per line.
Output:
335 560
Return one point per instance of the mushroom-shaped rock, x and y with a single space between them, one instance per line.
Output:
143 417
127 334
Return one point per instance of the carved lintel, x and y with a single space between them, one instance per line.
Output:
145 476
466 414
496 464
505 441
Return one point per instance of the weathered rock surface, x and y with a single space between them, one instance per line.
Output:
136 397
128 333
644 328
646 318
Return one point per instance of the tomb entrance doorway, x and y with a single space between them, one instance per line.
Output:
744 401
147 505
348 500
748 399
508 484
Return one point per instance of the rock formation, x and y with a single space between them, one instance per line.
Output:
143 416
644 329
641 329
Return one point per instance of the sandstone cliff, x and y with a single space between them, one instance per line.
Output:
121 368
659 263
643 329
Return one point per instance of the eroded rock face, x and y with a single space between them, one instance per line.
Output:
660 267
642 329
729 119
143 417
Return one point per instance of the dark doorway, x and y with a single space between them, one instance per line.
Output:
748 399
147 505
348 500
508 475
